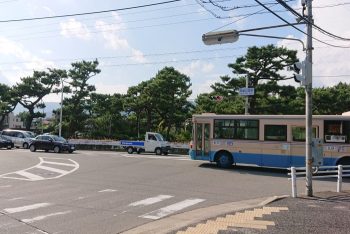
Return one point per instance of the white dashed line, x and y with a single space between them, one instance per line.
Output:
15 198
38 218
107 191
151 200
25 208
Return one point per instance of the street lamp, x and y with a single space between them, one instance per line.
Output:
220 37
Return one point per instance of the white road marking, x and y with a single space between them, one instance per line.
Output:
15 198
25 208
151 200
165 211
155 157
61 164
29 176
107 190
59 171
38 218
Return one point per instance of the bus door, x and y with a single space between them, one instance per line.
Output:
202 140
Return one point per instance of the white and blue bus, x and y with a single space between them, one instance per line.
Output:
267 140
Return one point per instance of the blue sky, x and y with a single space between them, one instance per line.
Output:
133 45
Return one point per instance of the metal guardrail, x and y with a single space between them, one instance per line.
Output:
331 171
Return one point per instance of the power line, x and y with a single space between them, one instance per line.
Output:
290 9
168 16
7 1
89 13
298 28
131 56
149 63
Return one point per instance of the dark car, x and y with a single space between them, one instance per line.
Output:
6 143
51 142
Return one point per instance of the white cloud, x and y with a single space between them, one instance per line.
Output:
48 10
111 33
138 56
73 28
111 89
196 68
30 61
46 51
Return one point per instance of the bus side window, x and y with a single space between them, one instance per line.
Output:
275 132
299 133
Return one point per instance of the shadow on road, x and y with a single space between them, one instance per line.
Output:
254 170
262 171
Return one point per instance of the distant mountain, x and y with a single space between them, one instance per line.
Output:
50 106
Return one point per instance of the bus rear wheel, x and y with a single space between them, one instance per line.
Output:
344 161
224 160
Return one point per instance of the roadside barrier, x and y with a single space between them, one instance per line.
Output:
338 172
110 145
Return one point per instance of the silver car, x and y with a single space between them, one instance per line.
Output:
20 138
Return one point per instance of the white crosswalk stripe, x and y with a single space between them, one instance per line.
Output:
26 208
45 211
42 217
165 211
151 200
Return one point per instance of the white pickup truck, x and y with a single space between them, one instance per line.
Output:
154 143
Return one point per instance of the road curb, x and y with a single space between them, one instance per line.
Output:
179 221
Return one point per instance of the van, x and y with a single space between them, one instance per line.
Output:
20 138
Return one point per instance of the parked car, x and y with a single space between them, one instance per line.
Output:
51 143
6 143
20 138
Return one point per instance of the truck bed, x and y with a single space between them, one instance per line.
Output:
133 143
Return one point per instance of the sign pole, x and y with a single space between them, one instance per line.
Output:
246 98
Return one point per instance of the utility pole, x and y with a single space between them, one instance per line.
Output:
308 101
60 125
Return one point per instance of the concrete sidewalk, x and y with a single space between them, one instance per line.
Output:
326 212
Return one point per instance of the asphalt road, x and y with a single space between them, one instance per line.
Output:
110 192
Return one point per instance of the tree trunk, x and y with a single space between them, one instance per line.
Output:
2 119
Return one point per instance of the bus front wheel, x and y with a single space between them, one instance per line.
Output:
224 160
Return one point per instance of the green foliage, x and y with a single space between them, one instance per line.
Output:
76 108
8 102
105 115
263 67
32 89
160 102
